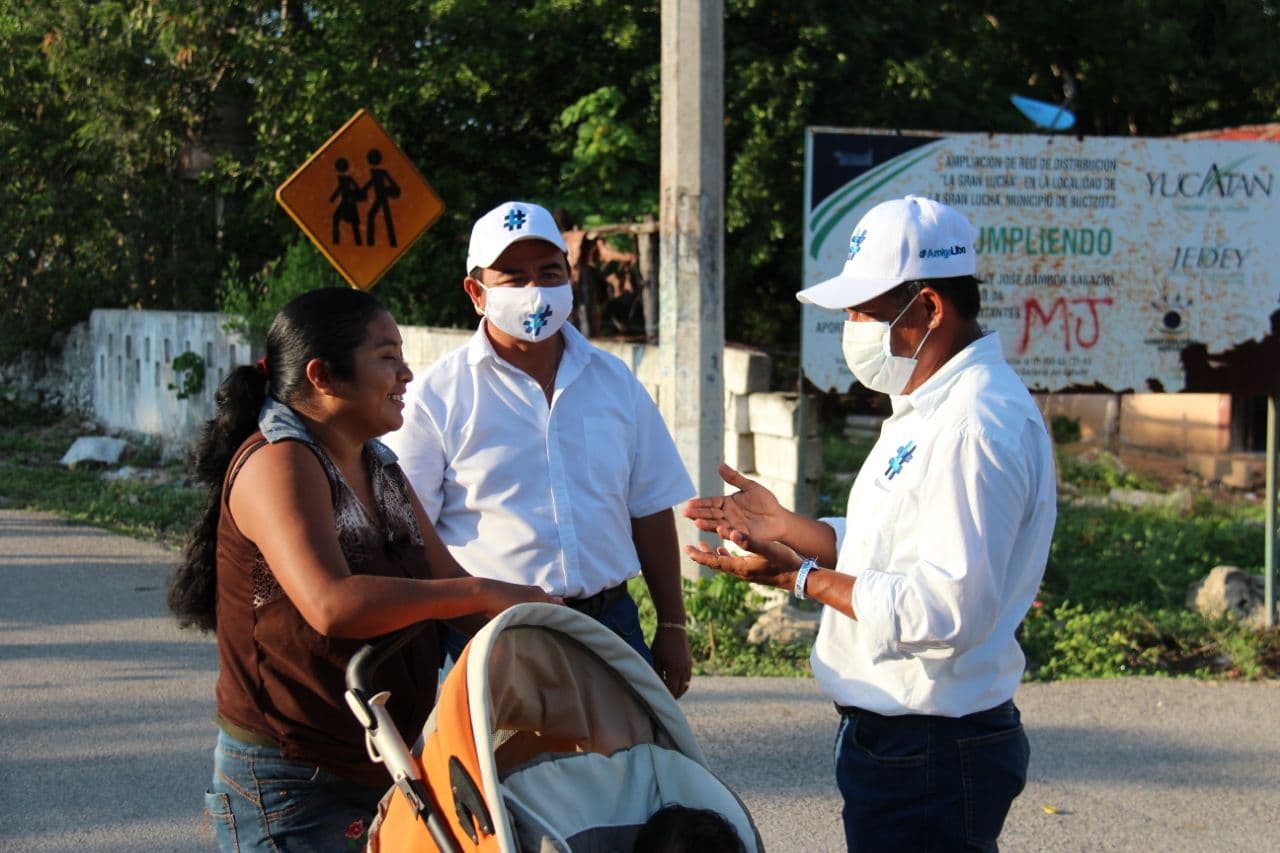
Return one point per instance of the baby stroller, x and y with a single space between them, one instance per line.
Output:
550 734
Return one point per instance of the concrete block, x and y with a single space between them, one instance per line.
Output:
777 413
863 426
642 359
425 345
1244 471
94 448
737 413
797 497
746 370
780 457
739 451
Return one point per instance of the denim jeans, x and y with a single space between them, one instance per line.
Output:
261 801
925 783
622 619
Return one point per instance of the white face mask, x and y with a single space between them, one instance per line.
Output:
529 313
866 350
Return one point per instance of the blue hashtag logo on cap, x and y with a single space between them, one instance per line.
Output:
855 242
514 220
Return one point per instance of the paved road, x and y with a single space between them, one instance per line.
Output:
105 729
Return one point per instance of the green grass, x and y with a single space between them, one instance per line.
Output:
31 478
1098 474
720 611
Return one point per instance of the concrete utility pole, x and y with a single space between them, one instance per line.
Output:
691 245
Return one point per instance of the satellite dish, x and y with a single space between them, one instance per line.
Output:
1043 114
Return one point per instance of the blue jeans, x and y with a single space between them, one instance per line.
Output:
622 619
262 801
924 783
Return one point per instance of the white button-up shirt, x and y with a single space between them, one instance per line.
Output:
947 532
527 493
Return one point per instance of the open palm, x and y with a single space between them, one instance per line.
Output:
750 514
772 564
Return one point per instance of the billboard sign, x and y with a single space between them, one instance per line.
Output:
1119 264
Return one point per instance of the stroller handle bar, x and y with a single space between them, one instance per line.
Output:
381 736
365 662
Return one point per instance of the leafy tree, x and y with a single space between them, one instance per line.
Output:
142 141
487 99
94 121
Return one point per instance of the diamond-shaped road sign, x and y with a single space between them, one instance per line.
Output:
360 200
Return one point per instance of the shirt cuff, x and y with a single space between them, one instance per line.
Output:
875 599
836 524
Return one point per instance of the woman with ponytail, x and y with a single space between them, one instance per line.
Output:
311 543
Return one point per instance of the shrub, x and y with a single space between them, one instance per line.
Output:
1064 430
1107 556
1074 641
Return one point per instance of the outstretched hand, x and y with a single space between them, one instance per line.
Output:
751 514
769 563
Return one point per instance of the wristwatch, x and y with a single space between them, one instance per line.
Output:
802 576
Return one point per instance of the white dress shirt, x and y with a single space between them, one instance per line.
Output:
947 532
523 492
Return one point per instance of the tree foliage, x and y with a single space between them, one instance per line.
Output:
142 141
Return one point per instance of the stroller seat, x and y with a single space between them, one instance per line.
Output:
591 803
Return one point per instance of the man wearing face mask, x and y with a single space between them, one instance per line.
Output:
940 554
540 456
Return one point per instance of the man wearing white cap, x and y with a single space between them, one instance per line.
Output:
940 554
540 456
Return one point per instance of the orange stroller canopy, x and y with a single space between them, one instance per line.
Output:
550 734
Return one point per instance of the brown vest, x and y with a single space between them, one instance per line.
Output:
281 679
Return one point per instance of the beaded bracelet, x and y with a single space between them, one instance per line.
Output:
675 626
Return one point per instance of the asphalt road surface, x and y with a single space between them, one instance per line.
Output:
106 732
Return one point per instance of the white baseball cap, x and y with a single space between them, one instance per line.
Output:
906 239
509 223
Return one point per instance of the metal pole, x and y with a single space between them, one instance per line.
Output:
1269 552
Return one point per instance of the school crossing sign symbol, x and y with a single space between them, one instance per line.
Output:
360 200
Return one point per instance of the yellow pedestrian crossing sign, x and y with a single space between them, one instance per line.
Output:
360 200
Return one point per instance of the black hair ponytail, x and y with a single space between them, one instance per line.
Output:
193 588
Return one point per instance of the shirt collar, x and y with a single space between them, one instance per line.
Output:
278 423
928 397
577 352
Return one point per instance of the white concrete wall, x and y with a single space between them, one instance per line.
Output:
130 357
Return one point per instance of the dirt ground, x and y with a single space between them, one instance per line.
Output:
1168 470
